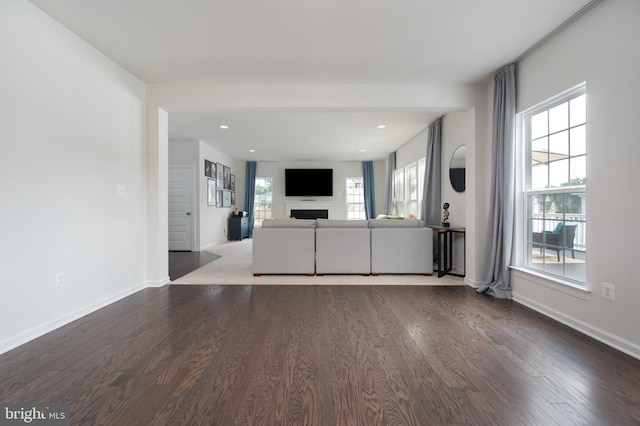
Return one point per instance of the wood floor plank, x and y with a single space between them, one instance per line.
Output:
329 355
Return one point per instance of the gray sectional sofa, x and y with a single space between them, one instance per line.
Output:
284 247
328 246
343 247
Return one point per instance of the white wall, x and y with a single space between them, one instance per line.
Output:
601 48
283 97
72 130
213 220
412 150
183 153
457 129
337 203
210 221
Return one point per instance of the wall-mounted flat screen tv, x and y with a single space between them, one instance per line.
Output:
308 182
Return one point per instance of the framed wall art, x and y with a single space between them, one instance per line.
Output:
209 169
211 192
220 175
226 198
226 173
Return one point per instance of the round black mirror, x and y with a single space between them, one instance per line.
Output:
457 168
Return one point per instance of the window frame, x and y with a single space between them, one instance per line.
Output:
412 204
422 164
255 202
402 199
355 180
398 200
562 282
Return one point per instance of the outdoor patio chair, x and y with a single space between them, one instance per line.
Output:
557 240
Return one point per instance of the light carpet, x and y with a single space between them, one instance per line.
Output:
234 267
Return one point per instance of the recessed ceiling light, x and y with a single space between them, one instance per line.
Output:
252 150
363 150
224 126
381 126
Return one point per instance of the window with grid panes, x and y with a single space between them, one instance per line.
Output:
411 188
262 201
555 166
355 198
398 201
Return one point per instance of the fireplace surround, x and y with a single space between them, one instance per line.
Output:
309 210
309 213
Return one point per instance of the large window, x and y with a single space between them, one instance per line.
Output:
555 185
422 164
355 198
411 188
398 201
263 200
408 184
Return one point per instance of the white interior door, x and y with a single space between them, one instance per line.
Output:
180 208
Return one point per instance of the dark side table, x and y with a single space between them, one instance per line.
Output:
238 228
444 251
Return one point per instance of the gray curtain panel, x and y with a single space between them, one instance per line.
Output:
496 278
388 195
250 192
431 208
369 189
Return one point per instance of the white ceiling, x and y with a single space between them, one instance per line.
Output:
309 42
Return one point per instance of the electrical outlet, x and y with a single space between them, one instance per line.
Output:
60 279
608 291
121 189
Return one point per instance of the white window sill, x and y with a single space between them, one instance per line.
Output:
557 284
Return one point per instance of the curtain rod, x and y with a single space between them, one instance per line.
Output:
557 30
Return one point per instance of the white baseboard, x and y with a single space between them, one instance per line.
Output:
159 283
605 337
21 338
471 283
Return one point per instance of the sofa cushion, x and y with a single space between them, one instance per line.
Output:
284 250
337 223
386 223
401 251
343 250
289 223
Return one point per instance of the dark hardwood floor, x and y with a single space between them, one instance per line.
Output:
330 355
183 262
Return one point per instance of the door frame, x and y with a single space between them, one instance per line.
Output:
195 213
